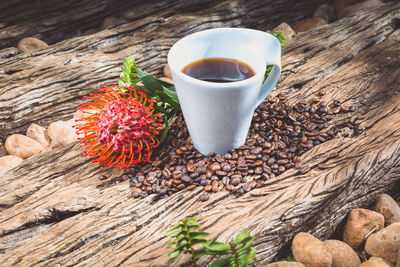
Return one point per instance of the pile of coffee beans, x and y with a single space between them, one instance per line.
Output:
279 134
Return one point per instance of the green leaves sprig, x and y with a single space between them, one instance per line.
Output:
186 237
238 253
163 93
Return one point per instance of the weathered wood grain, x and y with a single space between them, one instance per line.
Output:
54 210
54 21
48 84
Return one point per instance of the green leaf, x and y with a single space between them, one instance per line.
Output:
149 80
288 258
128 74
198 242
278 34
174 254
217 248
246 246
198 235
166 127
241 236
173 96
166 84
200 253
179 237
176 229
221 262
252 254
172 245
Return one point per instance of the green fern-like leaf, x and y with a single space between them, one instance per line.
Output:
185 236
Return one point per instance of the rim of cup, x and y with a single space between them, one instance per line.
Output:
227 85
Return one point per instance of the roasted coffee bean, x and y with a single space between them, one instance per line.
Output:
220 173
214 178
256 150
235 180
194 175
205 182
186 179
352 108
135 194
242 167
191 187
191 167
102 177
181 187
215 167
177 174
227 156
225 180
241 190
220 158
208 187
251 157
258 162
226 167
229 187
271 161
166 173
282 161
282 155
258 170
336 103
323 110
203 197
321 92
281 169
133 182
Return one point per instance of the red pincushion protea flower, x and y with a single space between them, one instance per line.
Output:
121 129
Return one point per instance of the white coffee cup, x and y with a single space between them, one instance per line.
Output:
218 115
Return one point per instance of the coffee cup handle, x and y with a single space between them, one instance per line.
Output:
273 77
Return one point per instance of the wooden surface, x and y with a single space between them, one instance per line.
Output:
54 210
48 84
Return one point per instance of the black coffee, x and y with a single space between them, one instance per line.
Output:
219 70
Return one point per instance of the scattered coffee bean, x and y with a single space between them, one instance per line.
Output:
203 197
135 194
321 92
191 187
229 187
241 190
336 103
133 182
102 177
235 180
